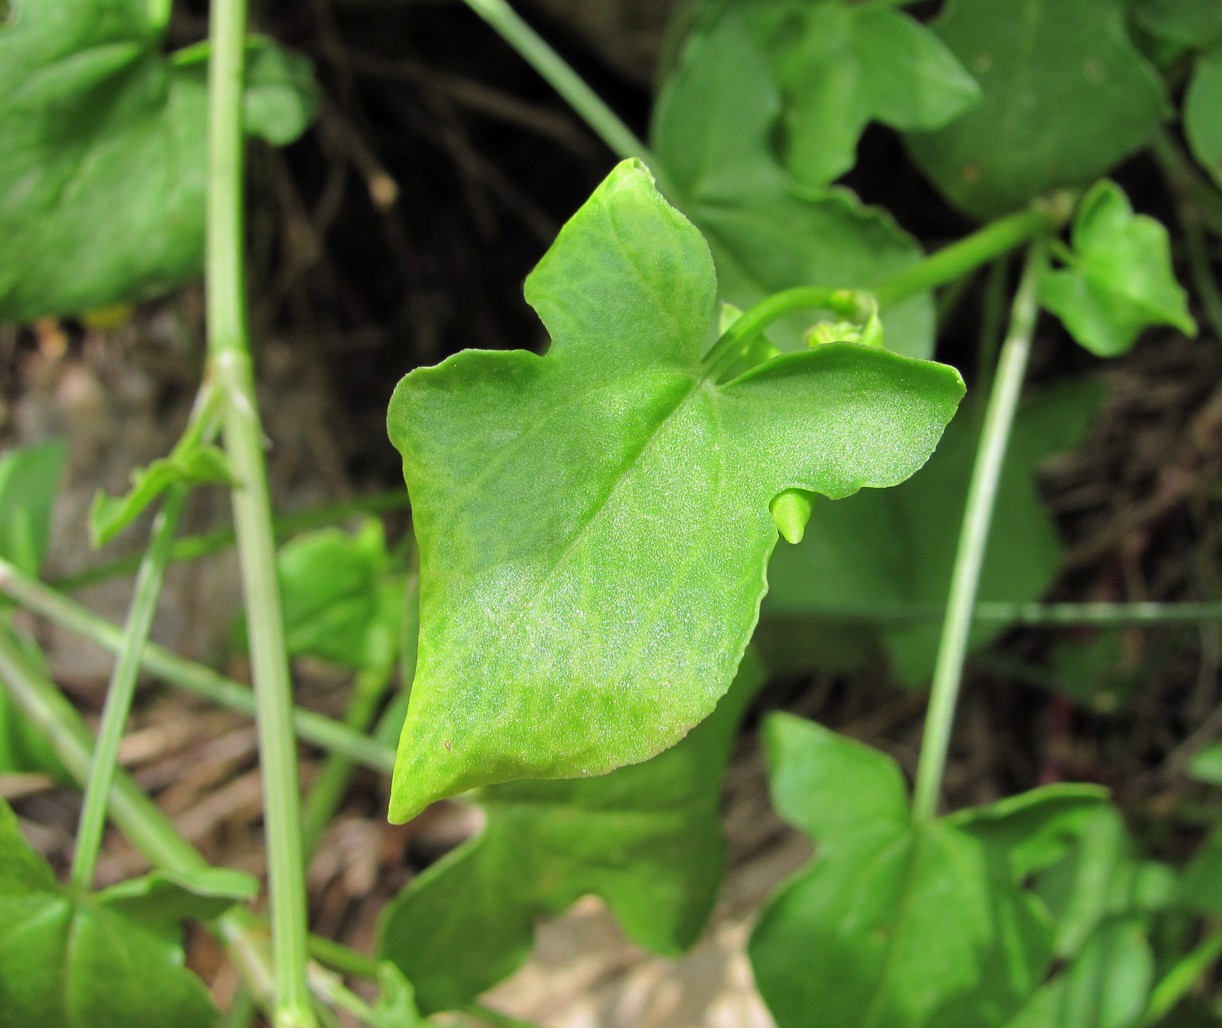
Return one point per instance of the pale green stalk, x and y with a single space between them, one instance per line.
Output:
203 681
122 689
1184 974
228 351
605 123
973 539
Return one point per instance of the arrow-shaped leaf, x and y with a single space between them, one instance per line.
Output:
594 525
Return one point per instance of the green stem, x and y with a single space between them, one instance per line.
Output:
982 246
229 352
969 557
192 547
605 123
122 689
343 958
844 303
1186 972
203 681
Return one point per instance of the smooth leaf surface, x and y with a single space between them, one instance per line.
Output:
1206 766
1066 96
1195 24
1119 278
73 960
29 480
839 66
1203 111
201 465
885 551
646 838
396 1005
894 923
1201 885
712 130
594 525
102 171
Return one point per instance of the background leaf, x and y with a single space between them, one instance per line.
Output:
103 165
1118 279
881 551
897 923
712 128
646 838
67 960
594 525
1066 96
1203 111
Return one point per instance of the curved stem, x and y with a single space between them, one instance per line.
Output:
845 303
981 497
982 246
229 352
605 123
122 688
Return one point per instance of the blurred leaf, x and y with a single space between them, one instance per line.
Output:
281 96
884 551
1203 111
895 923
342 601
1107 984
200 465
161 900
29 480
1201 884
1206 766
23 746
839 66
594 524
1119 278
646 838
712 127
1194 24
69 959
396 1004
103 168
1066 96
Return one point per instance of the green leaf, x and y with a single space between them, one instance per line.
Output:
1206 766
1107 985
897 923
839 66
104 159
1192 24
68 960
161 901
646 838
712 128
1066 96
1201 886
341 600
886 551
594 525
200 465
29 480
281 96
1203 112
23 746
1119 278
396 1005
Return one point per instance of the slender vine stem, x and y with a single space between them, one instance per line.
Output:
122 689
228 350
969 557
605 123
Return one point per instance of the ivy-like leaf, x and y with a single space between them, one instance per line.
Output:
104 158
1119 278
646 838
712 128
1066 96
1203 111
886 551
199 465
840 66
594 525
898 924
74 960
